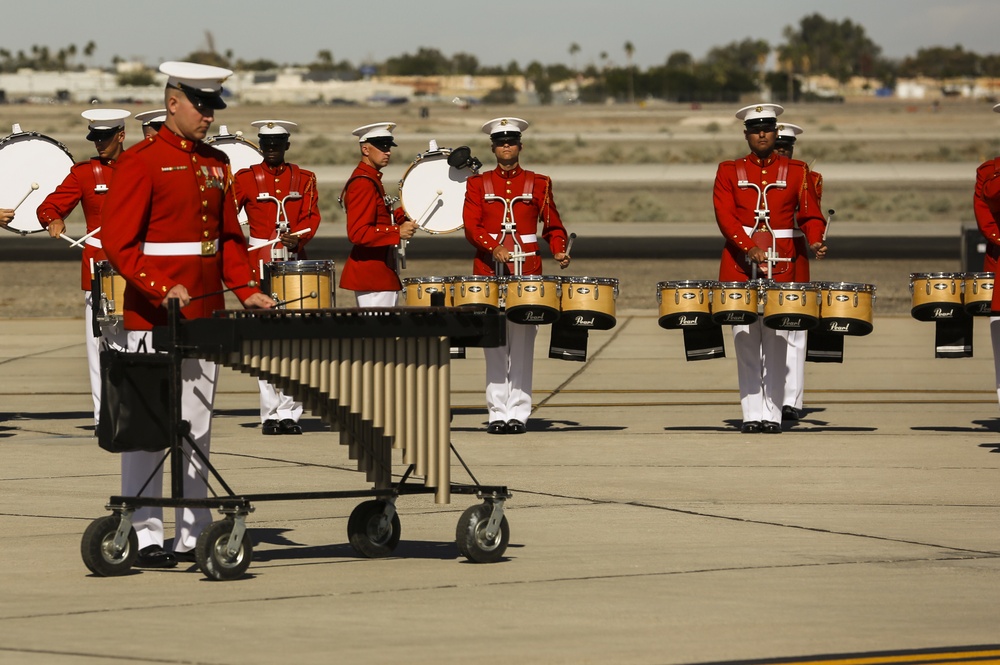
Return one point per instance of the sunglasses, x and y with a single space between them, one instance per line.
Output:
512 141
381 147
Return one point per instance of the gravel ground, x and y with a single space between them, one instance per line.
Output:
50 289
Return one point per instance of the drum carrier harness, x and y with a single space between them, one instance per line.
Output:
518 255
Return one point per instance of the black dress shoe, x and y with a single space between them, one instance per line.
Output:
186 557
516 427
751 427
289 426
789 412
496 427
769 427
154 556
270 426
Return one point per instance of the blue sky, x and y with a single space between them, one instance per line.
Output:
496 33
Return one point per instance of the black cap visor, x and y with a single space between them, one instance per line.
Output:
202 99
102 134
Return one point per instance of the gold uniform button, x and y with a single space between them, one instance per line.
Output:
205 233
204 203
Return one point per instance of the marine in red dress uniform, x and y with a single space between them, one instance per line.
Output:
375 231
279 199
509 368
170 230
796 358
87 184
761 351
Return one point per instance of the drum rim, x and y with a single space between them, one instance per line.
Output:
475 278
428 280
978 275
935 275
421 157
36 136
532 278
793 286
233 138
276 267
684 282
832 286
580 279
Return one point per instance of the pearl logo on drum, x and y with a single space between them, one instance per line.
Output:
790 324
583 323
943 313
685 321
534 316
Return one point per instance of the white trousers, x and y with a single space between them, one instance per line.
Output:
197 397
795 377
508 374
761 366
111 336
276 405
377 298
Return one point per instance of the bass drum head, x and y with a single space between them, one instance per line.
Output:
432 192
242 154
28 159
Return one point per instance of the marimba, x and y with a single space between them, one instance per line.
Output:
380 377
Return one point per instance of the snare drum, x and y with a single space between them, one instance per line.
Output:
735 303
936 295
846 308
301 284
791 305
589 302
476 290
684 304
977 293
110 302
532 299
32 165
417 291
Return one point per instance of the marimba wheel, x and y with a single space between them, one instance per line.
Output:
212 552
472 539
371 532
97 547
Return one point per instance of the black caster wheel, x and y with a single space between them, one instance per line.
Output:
213 556
98 549
370 533
471 535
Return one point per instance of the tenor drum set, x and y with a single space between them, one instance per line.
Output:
824 308
951 300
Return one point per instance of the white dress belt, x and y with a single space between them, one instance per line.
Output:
778 233
93 242
531 237
180 248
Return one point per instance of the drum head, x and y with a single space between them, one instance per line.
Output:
432 193
27 159
242 154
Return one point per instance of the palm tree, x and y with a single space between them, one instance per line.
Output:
629 52
574 48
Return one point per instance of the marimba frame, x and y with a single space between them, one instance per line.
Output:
224 551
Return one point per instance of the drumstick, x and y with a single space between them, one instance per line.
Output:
433 202
278 239
830 214
72 243
311 294
250 284
79 243
569 245
34 186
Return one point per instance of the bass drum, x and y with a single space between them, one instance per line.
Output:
242 154
32 165
432 192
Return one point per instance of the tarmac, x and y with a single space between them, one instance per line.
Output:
644 527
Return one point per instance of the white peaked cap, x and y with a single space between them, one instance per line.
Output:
505 126
787 130
754 112
105 119
374 131
203 78
265 127
146 117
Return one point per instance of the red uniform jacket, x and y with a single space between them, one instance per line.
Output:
370 226
87 182
802 262
986 204
734 212
172 190
484 219
302 213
